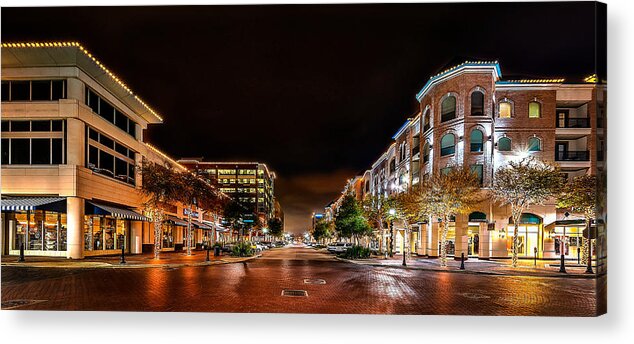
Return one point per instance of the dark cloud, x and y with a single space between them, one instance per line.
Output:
301 195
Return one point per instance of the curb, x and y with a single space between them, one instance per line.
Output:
96 265
472 272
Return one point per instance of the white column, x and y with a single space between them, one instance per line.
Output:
484 247
462 243
423 239
432 247
136 237
75 227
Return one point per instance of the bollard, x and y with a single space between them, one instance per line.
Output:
21 259
579 255
562 265
122 255
535 258
462 261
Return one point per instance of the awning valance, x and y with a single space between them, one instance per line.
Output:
175 220
94 208
32 203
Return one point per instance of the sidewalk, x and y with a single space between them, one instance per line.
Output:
497 267
137 261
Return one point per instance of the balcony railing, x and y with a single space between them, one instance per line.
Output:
572 156
573 123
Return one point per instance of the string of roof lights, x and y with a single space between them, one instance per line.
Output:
89 55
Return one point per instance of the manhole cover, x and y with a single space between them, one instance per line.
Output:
314 281
475 296
11 304
296 293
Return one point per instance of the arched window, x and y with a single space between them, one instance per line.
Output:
477 216
426 152
477 103
534 110
447 145
448 109
505 110
426 121
504 144
392 166
477 141
534 144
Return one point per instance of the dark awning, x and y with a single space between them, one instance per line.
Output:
202 225
93 208
57 204
175 220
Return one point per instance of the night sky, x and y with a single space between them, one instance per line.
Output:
315 91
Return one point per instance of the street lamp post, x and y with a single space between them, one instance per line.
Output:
392 212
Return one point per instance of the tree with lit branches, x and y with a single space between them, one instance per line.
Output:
443 196
377 211
160 185
580 196
523 183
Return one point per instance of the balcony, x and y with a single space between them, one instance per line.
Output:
573 123
572 156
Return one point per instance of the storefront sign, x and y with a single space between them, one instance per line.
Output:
194 213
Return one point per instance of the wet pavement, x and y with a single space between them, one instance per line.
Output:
330 286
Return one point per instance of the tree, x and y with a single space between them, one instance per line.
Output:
580 196
443 196
377 211
195 192
350 221
322 230
523 183
160 185
232 214
276 227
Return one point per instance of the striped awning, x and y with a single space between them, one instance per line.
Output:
33 203
175 220
102 209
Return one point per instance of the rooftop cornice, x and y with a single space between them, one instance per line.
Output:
467 66
87 54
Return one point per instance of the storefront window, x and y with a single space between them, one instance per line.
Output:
168 235
20 230
121 230
109 233
97 233
88 234
39 230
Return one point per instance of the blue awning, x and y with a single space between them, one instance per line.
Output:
57 204
102 209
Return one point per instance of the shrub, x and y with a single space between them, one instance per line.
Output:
242 249
357 252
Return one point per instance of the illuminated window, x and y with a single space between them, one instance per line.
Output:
505 110
426 122
504 144
534 110
448 109
534 144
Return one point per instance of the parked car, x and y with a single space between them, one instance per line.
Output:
280 244
340 247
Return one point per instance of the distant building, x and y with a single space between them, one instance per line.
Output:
249 183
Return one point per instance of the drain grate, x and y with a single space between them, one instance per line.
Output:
294 293
11 304
314 281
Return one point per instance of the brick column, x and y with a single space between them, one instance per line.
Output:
484 249
462 243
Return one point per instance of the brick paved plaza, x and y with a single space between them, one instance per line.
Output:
257 285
